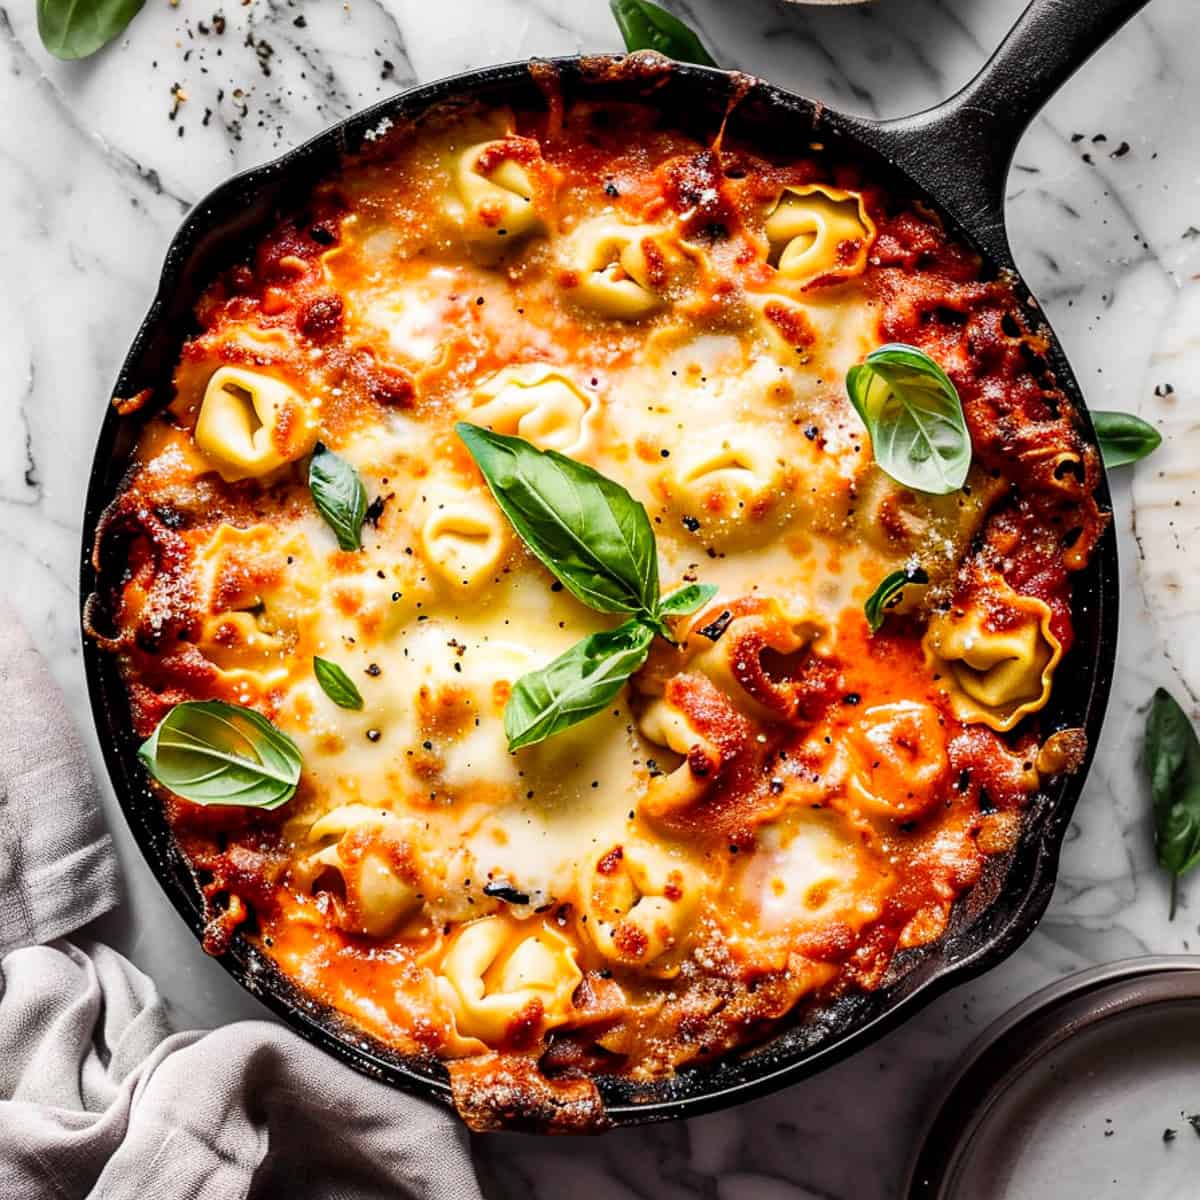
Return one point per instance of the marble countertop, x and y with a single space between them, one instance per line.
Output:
101 159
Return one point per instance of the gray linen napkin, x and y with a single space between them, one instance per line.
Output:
98 1098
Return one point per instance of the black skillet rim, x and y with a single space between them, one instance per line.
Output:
975 942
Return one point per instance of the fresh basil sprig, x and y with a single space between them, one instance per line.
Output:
339 495
887 594
597 540
1172 755
1124 438
588 531
576 685
336 684
915 418
210 752
76 28
645 26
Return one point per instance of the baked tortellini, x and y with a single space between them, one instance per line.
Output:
897 763
497 191
733 476
639 903
498 972
371 852
818 232
996 653
620 270
536 401
251 602
464 537
251 424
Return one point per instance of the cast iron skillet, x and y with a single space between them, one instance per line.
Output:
955 156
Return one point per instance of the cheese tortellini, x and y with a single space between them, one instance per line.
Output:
816 232
370 850
897 759
464 537
731 474
499 971
249 601
251 424
497 193
639 904
996 653
621 270
536 401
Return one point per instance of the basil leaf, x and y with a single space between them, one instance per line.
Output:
588 531
74 29
645 26
887 594
686 599
336 684
915 418
576 685
210 752
339 495
1172 756
1124 438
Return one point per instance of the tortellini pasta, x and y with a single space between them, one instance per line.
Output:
933 529
251 424
536 401
996 653
368 849
747 630
639 903
816 232
730 472
897 759
621 270
249 601
464 537
498 971
497 193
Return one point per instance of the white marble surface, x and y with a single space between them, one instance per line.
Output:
95 175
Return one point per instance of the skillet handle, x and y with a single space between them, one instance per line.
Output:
961 149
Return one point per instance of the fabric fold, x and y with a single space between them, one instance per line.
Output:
99 1099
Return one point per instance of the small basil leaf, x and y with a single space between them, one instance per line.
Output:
887 594
915 418
1124 438
645 26
339 495
210 752
576 685
1172 755
686 599
74 29
336 684
588 531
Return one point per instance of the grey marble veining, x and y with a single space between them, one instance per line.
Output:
98 162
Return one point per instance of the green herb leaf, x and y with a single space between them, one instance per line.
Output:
1172 755
339 495
645 26
588 531
915 418
210 752
576 685
73 29
887 594
686 599
1124 438
336 684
